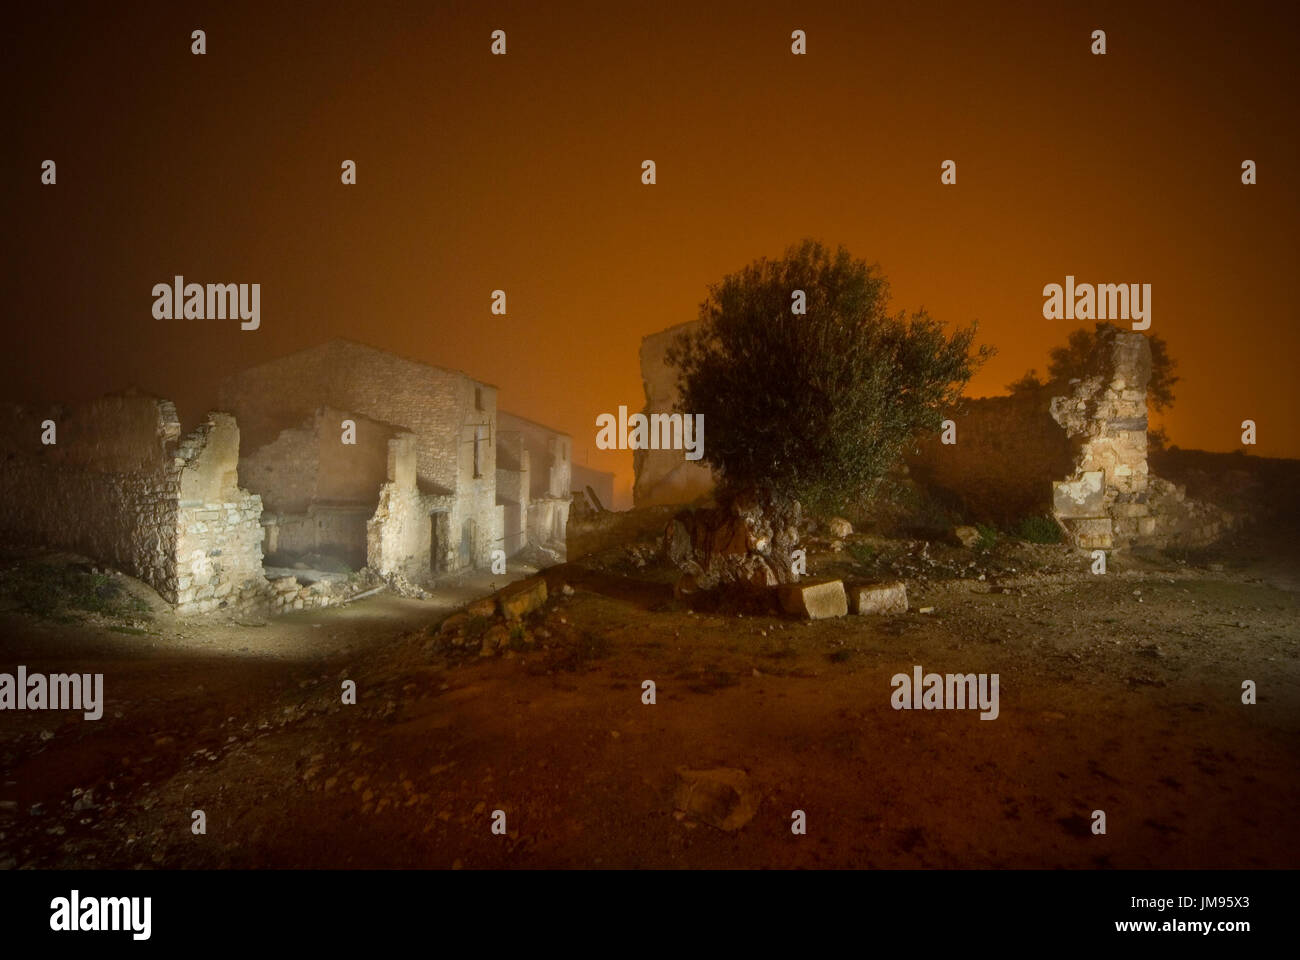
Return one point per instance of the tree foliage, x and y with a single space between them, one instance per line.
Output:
815 407
1071 361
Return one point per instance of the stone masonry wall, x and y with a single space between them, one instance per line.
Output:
514 473
546 508
398 536
116 487
106 488
1110 499
1000 469
284 471
219 530
318 492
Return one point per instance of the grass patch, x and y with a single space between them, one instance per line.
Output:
1039 529
864 554
517 633
53 592
988 538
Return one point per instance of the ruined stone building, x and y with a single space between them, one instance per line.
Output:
433 481
1076 451
337 455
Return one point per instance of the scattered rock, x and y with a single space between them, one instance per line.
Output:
496 638
454 624
814 599
522 598
878 598
722 797
748 541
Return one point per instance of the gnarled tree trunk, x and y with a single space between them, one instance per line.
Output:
748 539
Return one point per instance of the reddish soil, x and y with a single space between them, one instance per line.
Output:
1120 693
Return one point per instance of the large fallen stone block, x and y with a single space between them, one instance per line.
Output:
814 599
522 598
878 598
722 797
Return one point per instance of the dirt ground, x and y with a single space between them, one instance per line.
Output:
1119 693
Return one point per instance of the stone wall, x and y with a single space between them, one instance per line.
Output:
1110 499
107 488
219 529
319 492
1000 469
548 522
549 454
284 471
514 487
118 487
399 534
665 476
549 451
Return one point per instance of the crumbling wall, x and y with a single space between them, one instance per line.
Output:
219 530
1000 469
549 454
116 487
452 416
1110 499
514 481
106 488
548 522
284 471
398 536
319 492
665 476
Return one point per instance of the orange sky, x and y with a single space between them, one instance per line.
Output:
523 173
